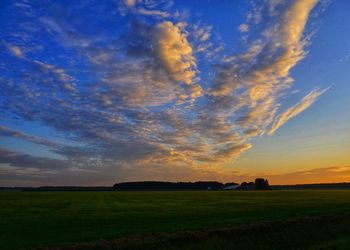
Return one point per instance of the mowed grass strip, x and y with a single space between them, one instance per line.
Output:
29 219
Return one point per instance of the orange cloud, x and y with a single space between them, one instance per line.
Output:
175 52
318 175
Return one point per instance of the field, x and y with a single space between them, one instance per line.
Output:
189 220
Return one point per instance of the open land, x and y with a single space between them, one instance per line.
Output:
302 219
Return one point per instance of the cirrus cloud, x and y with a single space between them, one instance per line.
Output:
147 94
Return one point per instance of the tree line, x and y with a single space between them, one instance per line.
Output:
259 184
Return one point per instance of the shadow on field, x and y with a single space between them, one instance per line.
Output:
319 232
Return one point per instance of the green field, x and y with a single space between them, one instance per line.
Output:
30 219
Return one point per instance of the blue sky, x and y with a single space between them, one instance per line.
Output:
95 92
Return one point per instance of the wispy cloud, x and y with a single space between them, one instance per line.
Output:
25 161
293 111
138 96
15 50
147 8
318 175
262 74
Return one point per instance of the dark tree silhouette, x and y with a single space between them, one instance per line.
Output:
261 184
161 185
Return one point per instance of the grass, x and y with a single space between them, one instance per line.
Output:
30 219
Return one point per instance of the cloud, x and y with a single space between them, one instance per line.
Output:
130 3
153 95
202 40
15 50
174 52
332 174
152 12
232 151
284 48
258 77
25 161
243 27
201 33
67 80
5 131
279 48
293 111
146 8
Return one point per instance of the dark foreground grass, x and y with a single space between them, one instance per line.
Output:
30 219
315 232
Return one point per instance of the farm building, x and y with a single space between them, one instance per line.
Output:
231 187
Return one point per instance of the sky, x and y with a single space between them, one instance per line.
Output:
98 92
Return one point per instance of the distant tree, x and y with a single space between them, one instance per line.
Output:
261 184
243 184
162 185
246 186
